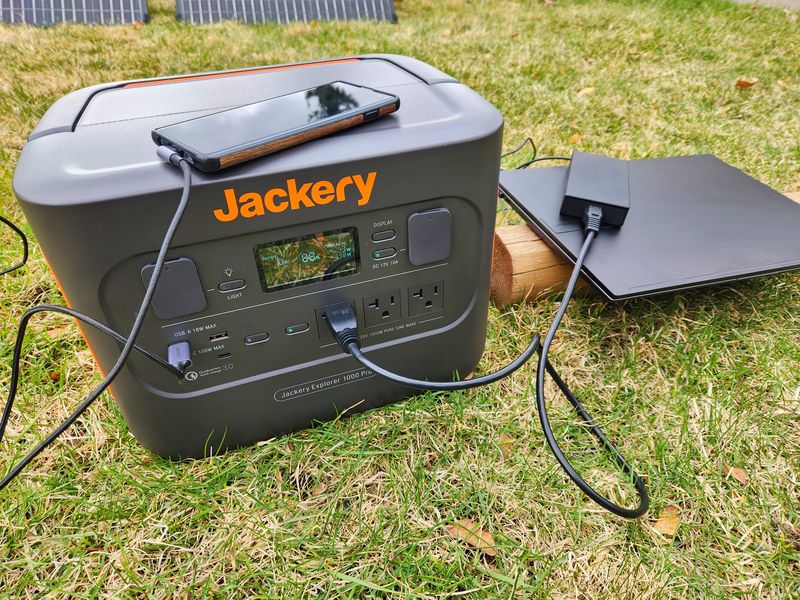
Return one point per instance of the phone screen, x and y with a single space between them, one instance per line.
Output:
245 124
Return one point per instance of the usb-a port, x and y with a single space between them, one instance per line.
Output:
216 337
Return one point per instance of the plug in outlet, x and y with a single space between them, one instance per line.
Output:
382 308
322 324
426 298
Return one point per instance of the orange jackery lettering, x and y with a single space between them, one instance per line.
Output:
297 196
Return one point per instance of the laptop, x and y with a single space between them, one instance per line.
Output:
693 221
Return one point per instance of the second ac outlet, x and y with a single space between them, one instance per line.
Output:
382 308
426 298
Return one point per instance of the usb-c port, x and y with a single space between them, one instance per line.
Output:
224 355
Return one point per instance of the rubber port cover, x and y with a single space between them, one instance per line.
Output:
179 291
429 236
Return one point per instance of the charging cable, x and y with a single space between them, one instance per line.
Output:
24 241
527 140
593 217
129 343
536 159
341 319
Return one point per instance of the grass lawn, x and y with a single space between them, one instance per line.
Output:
688 384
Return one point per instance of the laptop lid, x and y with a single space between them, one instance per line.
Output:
693 221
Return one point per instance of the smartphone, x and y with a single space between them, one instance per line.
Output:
236 135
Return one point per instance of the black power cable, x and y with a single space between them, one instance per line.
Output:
342 322
533 159
439 386
528 163
544 366
24 241
129 342
527 140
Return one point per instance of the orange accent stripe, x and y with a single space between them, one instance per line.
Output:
77 322
237 72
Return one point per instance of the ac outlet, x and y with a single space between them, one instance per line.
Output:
382 308
426 298
322 324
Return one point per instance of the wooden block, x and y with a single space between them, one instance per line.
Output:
525 268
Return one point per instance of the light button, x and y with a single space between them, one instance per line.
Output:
232 285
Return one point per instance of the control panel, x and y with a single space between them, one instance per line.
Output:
251 305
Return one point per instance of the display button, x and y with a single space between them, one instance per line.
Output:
296 328
232 285
256 338
384 253
383 236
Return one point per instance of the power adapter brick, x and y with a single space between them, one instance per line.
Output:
597 180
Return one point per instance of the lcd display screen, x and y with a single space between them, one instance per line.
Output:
307 259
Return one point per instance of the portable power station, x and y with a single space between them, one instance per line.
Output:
395 217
